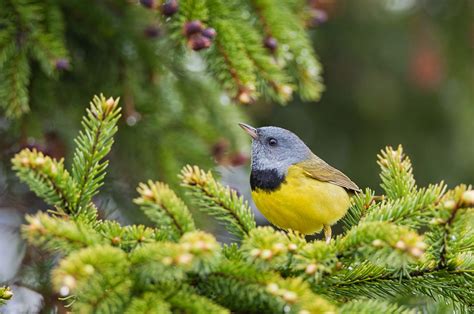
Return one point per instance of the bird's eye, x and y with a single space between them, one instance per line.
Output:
272 142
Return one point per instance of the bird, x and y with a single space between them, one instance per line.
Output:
292 187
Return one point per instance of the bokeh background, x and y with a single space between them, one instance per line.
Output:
395 72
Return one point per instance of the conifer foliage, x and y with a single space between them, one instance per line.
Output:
410 241
5 294
231 35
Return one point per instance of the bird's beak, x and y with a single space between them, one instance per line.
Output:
250 130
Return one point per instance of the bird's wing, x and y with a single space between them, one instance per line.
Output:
318 169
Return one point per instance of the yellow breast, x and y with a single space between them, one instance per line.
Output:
302 203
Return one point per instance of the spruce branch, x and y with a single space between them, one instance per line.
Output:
97 276
228 57
267 248
92 145
165 209
218 201
397 172
449 284
33 32
363 280
371 278
48 49
374 306
7 42
149 303
268 77
196 10
461 233
134 236
346 279
47 177
161 262
186 300
241 285
128 237
281 22
204 248
361 204
59 234
109 267
413 210
14 80
382 243
47 39
113 233
231 252
88 216
451 225
315 260
458 234
272 80
373 281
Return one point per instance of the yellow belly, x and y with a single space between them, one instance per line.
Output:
302 203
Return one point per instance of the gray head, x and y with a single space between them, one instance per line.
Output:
275 148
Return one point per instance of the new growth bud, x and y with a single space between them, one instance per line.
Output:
7 294
400 245
286 91
311 269
167 261
449 204
35 224
192 27
39 161
89 269
116 240
198 42
377 243
290 296
255 252
24 161
468 198
270 43
108 106
266 254
416 252
62 64
209 33
147 194
184 259
292 247
244 97
69 281
272 288
170 7
278 247
200 245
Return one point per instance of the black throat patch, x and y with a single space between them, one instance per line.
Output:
267 180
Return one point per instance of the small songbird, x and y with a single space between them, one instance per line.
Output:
294 188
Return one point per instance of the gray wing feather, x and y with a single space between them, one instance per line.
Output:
318 169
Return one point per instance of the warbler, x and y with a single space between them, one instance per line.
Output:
292 187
